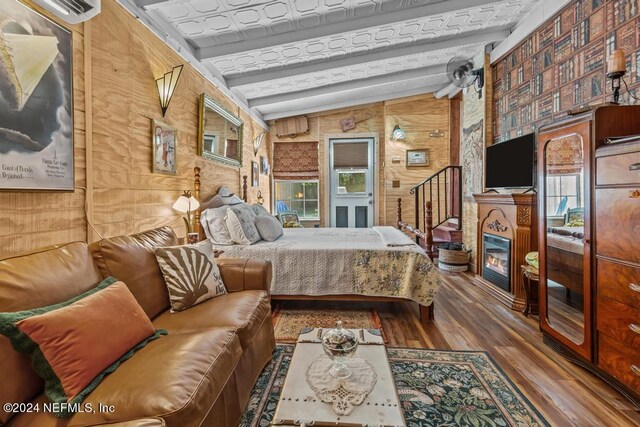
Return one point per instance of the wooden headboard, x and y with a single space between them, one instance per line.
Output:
197 195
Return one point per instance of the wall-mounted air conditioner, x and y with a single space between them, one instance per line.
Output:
71 11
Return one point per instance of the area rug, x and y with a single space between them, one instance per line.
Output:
288 322
436 388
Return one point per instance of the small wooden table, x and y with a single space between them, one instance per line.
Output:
530 279
298 405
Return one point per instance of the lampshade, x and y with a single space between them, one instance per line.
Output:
166 86
186 203
397 133
617 62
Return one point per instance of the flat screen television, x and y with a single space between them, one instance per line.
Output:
511 164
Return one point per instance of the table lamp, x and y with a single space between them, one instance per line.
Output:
186 204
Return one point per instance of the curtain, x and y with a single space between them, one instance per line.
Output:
564 155
351 155
295 160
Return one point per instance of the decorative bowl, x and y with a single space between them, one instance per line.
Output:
339 344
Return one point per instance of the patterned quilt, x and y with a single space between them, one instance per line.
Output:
331 261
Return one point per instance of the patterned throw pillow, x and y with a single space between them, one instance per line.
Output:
241 225
191 274
215 227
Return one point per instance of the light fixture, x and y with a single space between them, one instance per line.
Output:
187 204
617 67
260 198
166 85
57 7
398 133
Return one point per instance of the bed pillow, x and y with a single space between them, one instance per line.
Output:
73 345
191 274
215 227
269 227
241 225
260 210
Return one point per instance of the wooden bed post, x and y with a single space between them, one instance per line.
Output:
244 187
428 220
196 194
399 212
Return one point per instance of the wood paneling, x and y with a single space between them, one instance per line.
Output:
124 196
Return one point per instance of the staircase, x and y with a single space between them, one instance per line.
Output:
437 209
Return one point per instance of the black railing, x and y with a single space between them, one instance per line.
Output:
444 190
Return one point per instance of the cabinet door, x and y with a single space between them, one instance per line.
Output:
564 157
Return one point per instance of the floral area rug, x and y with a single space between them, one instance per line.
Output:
436 388
288 322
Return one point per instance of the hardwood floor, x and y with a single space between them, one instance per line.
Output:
466 318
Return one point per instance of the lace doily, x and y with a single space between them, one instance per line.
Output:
343 394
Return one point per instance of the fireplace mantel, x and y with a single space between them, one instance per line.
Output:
514 217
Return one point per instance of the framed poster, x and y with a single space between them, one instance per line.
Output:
265 169
255 174
36 106
417 158
165 148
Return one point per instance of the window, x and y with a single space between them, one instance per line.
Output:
563 192
298 196
350 182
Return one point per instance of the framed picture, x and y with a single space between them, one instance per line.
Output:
257 142
164 147
288 217
255 174
417 158
265 169
36 112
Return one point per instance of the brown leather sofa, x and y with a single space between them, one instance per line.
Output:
200 374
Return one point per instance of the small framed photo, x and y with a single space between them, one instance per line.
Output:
288 217
255 174
265 169
416 158
164 147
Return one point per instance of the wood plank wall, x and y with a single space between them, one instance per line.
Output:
125 197
417 115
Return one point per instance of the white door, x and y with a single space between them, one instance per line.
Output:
351 164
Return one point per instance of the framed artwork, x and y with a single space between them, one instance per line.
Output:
257 142
36 114
265 169
164 148
416 158
288 217
255 174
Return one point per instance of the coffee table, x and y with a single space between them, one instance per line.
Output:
299 406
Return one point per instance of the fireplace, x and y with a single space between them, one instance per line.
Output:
497 260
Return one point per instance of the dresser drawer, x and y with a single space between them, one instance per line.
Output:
620 361
619 322
618 223
618 169
619 282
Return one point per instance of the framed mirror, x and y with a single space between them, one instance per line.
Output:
219 133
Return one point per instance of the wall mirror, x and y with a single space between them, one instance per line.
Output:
566 239
219 133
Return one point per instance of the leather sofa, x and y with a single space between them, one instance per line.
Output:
200 374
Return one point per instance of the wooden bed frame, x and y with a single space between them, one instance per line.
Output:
426 312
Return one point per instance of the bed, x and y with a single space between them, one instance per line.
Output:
378 264
565 257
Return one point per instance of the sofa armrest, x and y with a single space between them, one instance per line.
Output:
142 422
239 274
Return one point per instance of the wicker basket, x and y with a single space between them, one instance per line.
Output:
455 261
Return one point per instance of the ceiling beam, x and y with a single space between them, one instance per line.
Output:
351 25
404 49
415 73
149 3
326 106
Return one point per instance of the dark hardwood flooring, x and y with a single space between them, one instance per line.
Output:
466 318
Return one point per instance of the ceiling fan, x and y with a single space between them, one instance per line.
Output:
461 74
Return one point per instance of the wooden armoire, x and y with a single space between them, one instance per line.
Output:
589 241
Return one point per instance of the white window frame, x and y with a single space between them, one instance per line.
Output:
304 199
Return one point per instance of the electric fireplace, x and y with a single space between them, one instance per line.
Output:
497 260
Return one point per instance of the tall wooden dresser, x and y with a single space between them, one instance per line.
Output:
617 253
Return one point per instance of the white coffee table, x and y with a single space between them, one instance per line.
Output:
299 406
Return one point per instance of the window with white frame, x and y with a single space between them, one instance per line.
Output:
563 192
298 196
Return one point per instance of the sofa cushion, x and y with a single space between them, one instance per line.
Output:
132 260
42 278
244 311
177 378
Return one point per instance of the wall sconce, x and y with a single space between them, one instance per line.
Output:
187 204
437 133
398 133
166 85
617 67
260 199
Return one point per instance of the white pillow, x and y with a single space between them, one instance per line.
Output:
241 225
215 227
269 227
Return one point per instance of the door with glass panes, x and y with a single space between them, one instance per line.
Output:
351 164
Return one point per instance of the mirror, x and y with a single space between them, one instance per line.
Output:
219 133
565 221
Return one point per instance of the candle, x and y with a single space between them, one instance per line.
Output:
617 61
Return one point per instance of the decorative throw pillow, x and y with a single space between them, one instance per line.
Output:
269 227
191 274
260 210
215 227
241 224
73 345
